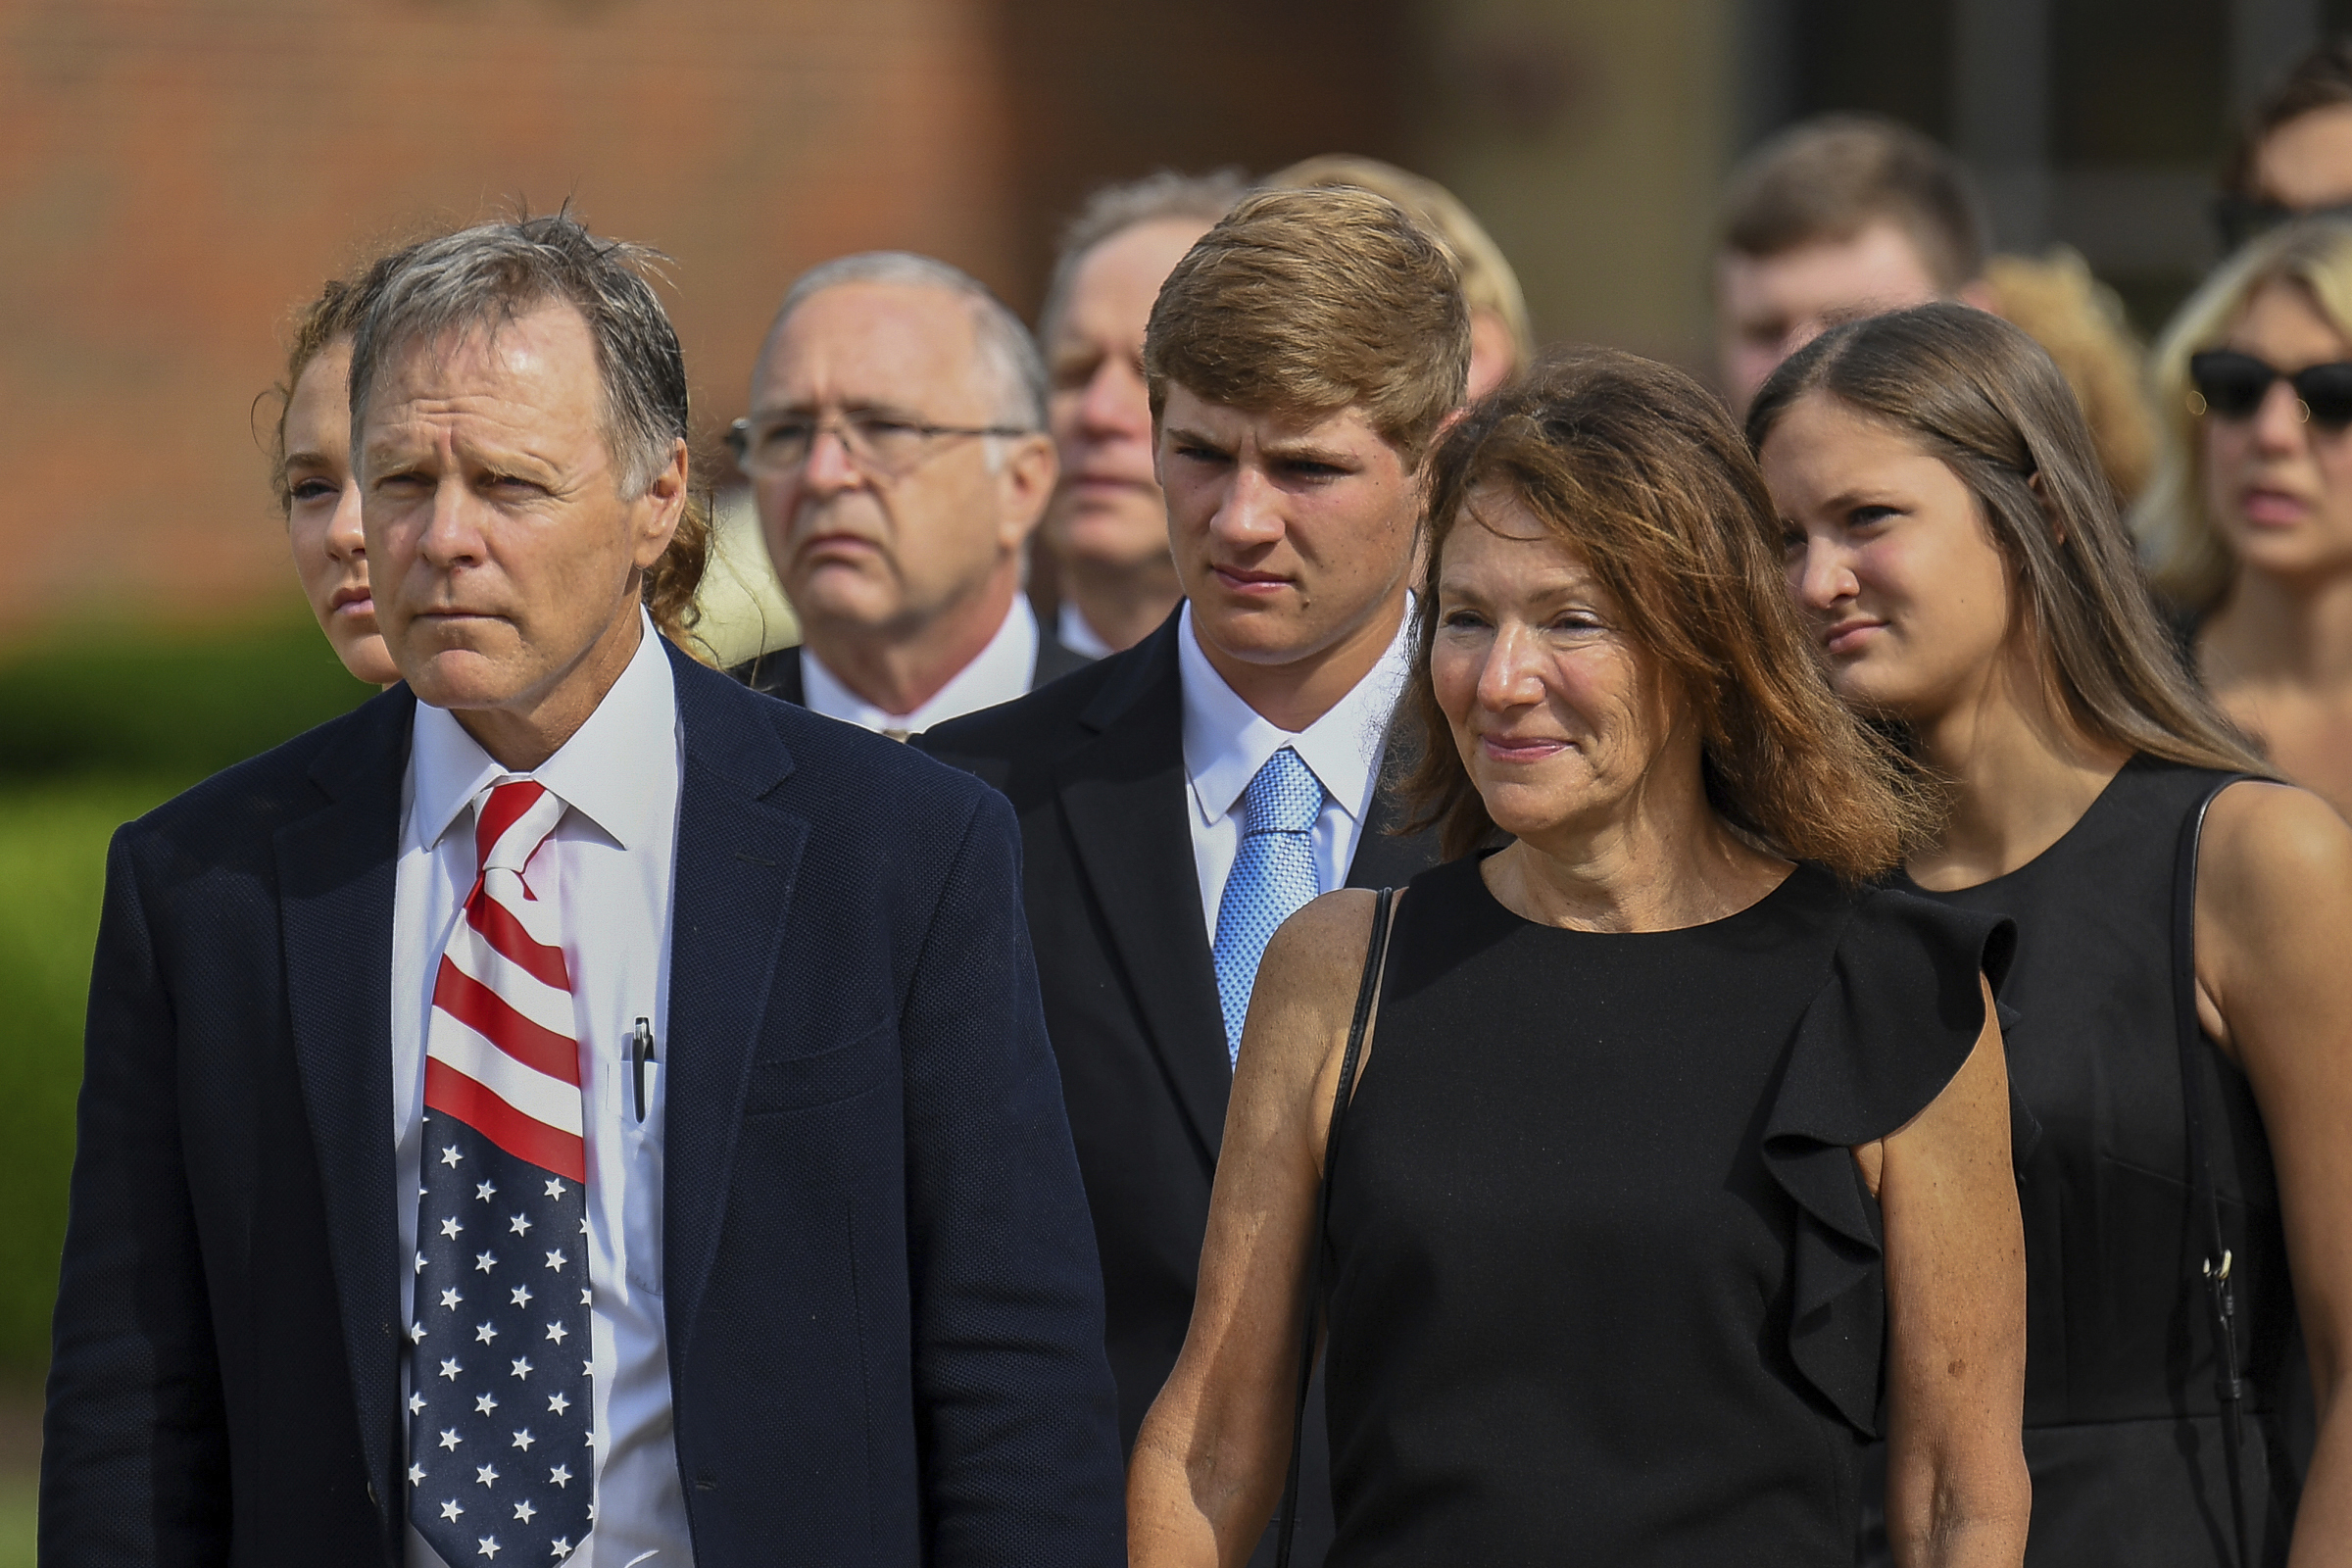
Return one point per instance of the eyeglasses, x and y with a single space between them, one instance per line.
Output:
875 442
2232 386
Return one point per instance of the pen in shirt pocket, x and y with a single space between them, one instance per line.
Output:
641 1054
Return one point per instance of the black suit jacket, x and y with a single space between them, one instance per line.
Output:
778 673
1093 766
883 1308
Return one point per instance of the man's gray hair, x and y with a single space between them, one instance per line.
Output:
492 274
1111 209
1003 342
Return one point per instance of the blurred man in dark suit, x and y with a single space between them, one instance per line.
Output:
1179 800
527 1119
898 457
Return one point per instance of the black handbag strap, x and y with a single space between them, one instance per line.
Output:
2221 1297
1367 992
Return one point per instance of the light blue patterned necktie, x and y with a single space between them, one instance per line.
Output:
1272 875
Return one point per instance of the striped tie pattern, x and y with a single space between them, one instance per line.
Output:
1273 874
499 1433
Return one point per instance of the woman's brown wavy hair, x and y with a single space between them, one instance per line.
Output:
1641 472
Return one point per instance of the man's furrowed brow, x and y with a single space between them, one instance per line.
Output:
1186 435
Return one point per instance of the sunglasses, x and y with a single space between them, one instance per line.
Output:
2233 385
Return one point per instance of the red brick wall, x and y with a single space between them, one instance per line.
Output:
178 175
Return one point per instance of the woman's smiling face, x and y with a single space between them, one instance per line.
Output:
1557 710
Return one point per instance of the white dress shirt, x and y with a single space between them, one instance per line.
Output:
998 674
1075 632
1226 742
610 866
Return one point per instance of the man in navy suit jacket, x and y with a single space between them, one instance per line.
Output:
846 1304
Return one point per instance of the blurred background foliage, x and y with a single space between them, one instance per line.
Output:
98 726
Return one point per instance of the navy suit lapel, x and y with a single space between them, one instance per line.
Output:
1123 796
736 861
336 871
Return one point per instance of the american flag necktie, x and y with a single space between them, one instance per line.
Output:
500 1441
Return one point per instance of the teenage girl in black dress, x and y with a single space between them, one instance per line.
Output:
1968 579
1680 1160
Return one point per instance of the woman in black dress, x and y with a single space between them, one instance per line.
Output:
1680 1162
1968 579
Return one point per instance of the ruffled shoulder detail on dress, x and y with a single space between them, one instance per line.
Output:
1891 1025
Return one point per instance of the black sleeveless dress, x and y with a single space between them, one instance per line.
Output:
2123 1433
1606 1284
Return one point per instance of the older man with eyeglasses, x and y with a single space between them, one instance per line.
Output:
898 457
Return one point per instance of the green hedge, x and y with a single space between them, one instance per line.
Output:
94 731
161 706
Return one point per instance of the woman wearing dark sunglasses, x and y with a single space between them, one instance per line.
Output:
2183 1006
2249 527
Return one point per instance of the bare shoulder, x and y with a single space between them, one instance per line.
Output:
1309 974
2272 851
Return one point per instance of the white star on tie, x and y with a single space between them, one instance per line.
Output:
419 1262
585 1299
519 1226
560 1546
450 1368
523 1439
554 1189
583 1224
415 1404
555 1260
450 1510
554 1332
484 1473
416 1474
587 1369
450 1300
488 1546
484 1334
482 1190
522 1296
558 1404
415 1333
522 1366
524 1510
483 1404
450 1229
484 1262
450 1157
450 1438
559 1477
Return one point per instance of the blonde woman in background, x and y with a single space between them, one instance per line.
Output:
1503 342
2247 528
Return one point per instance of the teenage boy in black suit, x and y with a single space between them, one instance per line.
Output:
1178 800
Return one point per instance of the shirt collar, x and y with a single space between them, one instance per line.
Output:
600 772
1075 632
998 674
1226 741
